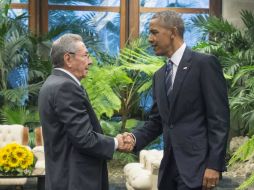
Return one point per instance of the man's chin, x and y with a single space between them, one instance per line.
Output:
158 53
85 72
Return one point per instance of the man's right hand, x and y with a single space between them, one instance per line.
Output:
126 142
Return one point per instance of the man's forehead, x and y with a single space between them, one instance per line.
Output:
157 23
82 47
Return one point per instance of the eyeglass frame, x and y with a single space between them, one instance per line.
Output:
87 55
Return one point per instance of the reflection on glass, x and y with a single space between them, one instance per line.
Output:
19 1
87 2
192 35
18 76
100 30
17 12
175 3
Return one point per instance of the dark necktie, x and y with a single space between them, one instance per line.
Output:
168 78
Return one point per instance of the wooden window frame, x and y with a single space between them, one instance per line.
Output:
129 10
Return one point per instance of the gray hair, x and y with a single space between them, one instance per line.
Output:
66 43
170 19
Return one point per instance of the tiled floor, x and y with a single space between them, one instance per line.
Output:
225 184
32 182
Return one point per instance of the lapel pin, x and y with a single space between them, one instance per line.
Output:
185 68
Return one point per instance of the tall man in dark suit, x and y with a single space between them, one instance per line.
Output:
75 148
190 107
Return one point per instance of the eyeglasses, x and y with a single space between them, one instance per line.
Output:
87 55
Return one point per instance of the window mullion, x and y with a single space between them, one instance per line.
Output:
134 6
43 16
124 20
215 7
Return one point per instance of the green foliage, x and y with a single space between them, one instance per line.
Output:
18 115
101 94
112 128
244 152
140 67
31 139
133 123
16 48
216 25
235 49
116 86
124 158
247 183
19 47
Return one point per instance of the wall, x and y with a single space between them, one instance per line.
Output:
231 10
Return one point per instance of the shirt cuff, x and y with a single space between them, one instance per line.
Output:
116 143
133 136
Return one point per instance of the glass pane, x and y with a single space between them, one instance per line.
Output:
192 35
13 13
100 30
19 1
112 3
175 3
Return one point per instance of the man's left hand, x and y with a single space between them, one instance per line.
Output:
211 179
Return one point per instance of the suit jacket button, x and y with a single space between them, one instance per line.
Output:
171 126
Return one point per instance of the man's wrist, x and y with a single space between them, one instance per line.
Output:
116 143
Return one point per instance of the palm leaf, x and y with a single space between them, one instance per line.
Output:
248 19
247 183
18 115
244 152
213 24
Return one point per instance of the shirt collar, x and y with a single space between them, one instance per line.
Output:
70 74
177 56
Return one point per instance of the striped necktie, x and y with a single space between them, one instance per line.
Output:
168 78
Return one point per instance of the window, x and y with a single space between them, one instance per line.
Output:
112 22
100 30
188 9
98 21
86 2
19 1
18 12
175 3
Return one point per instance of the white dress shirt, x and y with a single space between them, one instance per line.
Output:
176 58
70 74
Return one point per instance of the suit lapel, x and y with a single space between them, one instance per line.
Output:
183 68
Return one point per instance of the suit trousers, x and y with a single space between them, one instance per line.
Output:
172 179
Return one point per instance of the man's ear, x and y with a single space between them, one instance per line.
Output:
174 31
67 61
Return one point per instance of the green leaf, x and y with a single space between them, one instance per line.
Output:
247 183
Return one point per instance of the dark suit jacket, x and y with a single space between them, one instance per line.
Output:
194 120
75 149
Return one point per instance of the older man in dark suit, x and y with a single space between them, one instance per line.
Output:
75 148
190 108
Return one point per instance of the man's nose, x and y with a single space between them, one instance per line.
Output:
90 61
150 39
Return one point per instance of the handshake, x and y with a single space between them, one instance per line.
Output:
126 142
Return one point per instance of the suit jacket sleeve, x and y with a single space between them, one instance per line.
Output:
151 129
217 112
71 109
